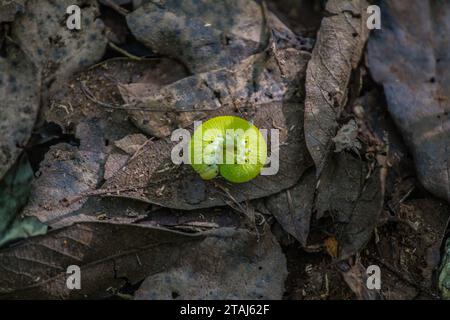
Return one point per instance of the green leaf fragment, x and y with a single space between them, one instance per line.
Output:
14 192
444 276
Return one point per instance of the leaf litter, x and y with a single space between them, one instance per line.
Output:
342 193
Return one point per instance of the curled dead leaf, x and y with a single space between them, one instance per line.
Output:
338 50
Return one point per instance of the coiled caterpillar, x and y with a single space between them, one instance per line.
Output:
229 146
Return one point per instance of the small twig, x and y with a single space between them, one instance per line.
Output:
101 63
138 151
109 192
236 205
131 107
405 196
400 220
138 260
95 193
200 224
91 97
290 204
124 52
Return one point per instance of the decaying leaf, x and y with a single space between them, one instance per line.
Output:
158 74
93 93
104 135
269 77
331 246
265 89
153 169
339 46
67 171
56 50
293 207
218 269
409 57
105 253
352 199
111 255
19 104
205 35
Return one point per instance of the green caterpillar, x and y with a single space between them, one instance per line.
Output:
229 146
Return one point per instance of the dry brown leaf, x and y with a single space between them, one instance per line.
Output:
19 104
110 255
274 101
353 198
339 46
218 270
331 245
293 207
67 171
205 35
409 57
57 51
